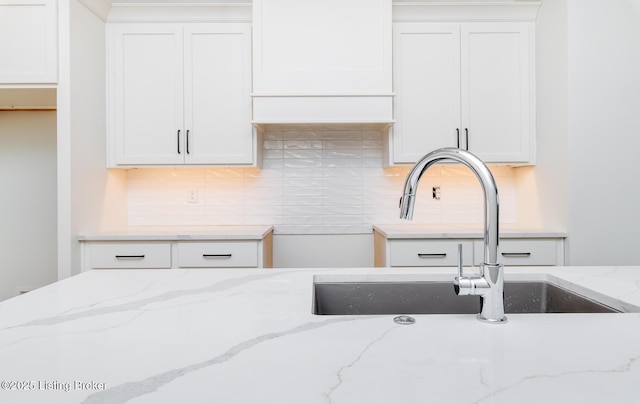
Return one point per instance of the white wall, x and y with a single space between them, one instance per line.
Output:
604 131
542 190
92 198
28 224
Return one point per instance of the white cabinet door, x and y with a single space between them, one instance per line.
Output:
467 85
496 91
427 88
181 94
217 87
28 41
147 105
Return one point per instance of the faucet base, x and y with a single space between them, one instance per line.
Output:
491 320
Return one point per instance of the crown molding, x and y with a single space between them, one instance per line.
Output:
100 8
180 12
428 11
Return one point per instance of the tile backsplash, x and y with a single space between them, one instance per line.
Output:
315 180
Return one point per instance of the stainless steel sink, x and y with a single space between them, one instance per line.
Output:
353 297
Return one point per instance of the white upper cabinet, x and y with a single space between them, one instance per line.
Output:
180 94
322 61
467 85
28 42
497 91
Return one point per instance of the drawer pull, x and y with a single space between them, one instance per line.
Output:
129 257
216 255
522 254
440 255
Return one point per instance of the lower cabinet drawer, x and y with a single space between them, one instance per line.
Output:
429 253
130 255
523 252
218 254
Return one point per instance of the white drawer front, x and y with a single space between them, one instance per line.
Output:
523 252
131 255
429 253
218 254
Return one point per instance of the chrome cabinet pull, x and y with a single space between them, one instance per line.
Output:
516 254
130 257
188 142
439 255
216 255
178 141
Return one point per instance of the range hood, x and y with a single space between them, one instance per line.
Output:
322 61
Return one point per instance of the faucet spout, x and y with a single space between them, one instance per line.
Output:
490 284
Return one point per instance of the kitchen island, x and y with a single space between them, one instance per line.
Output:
249 336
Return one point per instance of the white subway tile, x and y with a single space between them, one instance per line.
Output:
262 173
302 144
302 210
302 201
269 220
352 154
330 192
341 210
302 154
342 182
272 135
303 173
341 144
146 220
302 163
273 144
342 200
373 154
342 162
223 220
272 154
263 201
303 182
302 220
263 210
272 164
303 135
302 191
342 172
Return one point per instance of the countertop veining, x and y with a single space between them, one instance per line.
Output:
247 336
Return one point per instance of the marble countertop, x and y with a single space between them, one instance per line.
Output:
248 336
404 231
175 233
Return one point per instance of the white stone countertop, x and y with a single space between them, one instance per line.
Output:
248 336
175 233
404 231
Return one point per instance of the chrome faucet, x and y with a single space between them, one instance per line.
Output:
489 284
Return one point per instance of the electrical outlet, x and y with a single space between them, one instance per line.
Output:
192 196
